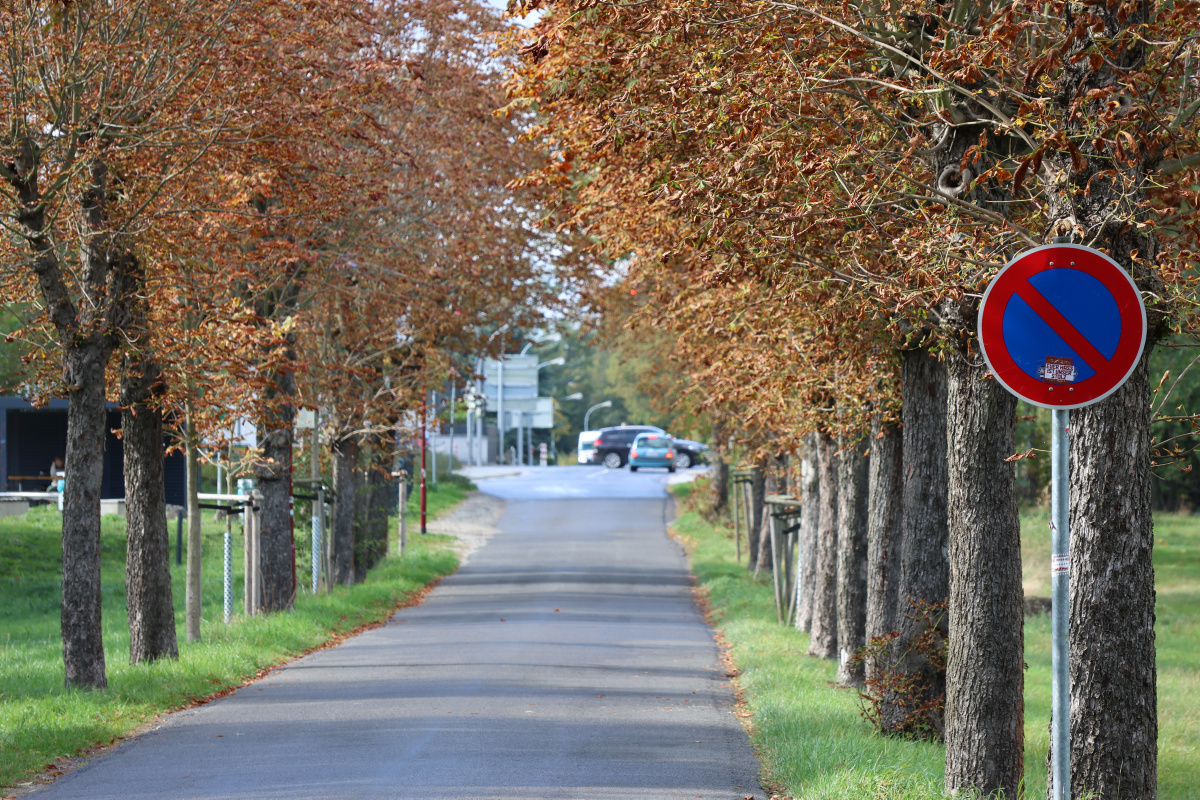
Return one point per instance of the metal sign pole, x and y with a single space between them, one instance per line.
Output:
1060 573
314 472
500 408
424 424
228 538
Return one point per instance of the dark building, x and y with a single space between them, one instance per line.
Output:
31 438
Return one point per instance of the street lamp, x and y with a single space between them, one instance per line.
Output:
554 362
605 404
575 396
549 337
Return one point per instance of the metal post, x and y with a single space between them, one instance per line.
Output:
481 405
247 555
453 416
500 407
775 566
434 425
521 438
314 471
424 420
228 539
470 437
403 510
1060 573
252 576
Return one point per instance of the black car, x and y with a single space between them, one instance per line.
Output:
688 452
612 445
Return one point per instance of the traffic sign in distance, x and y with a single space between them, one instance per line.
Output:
1062 326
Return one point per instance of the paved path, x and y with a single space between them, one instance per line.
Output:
565 660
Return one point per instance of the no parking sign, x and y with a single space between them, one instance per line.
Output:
1062 326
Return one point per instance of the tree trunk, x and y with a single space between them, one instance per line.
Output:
1113 674
769 484
924 564
810 511
86 334
345 464
275 536
852 468
362 530
718 492
82 635
377 516
823 641
148 598
754 527
1114 717
883 533
192 580
985 708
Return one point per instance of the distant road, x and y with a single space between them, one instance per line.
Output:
576 482
565 660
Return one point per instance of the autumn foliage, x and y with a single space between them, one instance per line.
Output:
236 208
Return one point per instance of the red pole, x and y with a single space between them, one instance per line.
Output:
423 420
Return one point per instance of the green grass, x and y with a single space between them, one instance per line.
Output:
41 721
809 734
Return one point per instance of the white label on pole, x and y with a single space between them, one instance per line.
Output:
1060 564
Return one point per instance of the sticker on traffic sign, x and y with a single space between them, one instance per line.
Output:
1062 326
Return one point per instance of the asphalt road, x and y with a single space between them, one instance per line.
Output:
565 660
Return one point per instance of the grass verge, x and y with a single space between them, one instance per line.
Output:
42 724
808 732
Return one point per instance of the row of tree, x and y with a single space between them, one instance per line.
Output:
812 197
231 209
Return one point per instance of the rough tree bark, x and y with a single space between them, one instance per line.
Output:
345 464
985 707
148 601
924 565
754 528
377 516
1113 672
82 635
770 484
362 525
883 532
810 511
274 474
823 641
370 539
718 488
852 471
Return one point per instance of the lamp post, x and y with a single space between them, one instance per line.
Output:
587 416
549 337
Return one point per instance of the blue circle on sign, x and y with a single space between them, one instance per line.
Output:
1086 303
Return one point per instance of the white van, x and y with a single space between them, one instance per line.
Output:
586 450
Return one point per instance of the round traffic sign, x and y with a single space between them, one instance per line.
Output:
1062 326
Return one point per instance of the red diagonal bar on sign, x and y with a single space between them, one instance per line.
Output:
1062 326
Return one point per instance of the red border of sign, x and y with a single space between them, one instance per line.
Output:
1006 284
